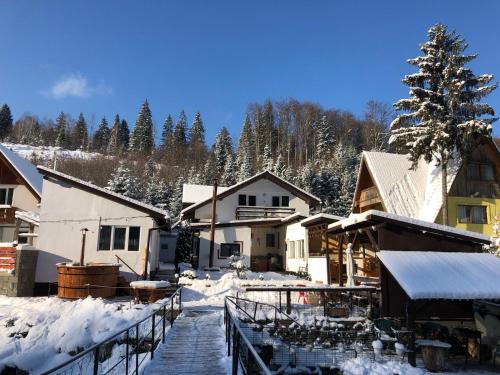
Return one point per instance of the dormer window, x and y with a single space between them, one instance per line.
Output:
6 195
276 201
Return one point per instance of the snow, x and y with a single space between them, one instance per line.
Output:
435 343
28 216
54 327
192 193
150 284
24 167
48 152
367 215
444 275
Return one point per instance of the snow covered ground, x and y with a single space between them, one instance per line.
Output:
48 152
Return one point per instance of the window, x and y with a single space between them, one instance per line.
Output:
252 200
105 237
300 249
480 172
242 200
291 249
228 249
116 238
6 195
296 249
270 240
487 172
285 201
119 238
276 201
472 214
134 234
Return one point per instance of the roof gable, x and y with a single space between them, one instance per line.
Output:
263 175
24 169
193 193
94 189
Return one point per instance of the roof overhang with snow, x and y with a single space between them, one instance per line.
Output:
153 211
374 217
320 218
311 199
193 193
444 275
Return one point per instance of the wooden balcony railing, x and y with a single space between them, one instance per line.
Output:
7 215
260 212
368 197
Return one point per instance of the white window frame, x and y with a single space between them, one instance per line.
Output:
112 237
7 187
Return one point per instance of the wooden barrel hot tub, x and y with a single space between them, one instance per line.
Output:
72 280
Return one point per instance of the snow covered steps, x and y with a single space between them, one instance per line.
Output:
194 345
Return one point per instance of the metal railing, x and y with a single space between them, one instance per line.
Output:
125 351
260 212
243 352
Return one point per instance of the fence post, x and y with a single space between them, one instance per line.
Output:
172 311
152 335
236 350
280 301
324 303
126 353
163 323
96 360
288 302
137 349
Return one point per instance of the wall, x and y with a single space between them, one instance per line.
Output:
65 211
20 282
492 209
241 234
317 269
296 232
24 200
263 189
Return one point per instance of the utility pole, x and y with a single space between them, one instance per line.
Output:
212 225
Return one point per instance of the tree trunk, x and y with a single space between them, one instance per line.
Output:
444 190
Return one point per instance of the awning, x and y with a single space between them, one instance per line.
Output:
444 275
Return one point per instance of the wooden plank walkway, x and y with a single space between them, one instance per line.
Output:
194 345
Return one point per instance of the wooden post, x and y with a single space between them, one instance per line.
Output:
410 325
341 260
212 225
288 302
328 278
82 250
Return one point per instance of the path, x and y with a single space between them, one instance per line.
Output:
194 345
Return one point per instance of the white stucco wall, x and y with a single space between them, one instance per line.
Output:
296 232
65 210
24 199
263 189
241 234
317 269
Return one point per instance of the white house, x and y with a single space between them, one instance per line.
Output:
254 218
20 195
117 227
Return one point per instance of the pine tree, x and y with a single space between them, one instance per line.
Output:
325 141
101 137
268 125
259 132
230 174
223 148
443 115
209 171
180 131
156 190
80 134
124 136
267 162
346 164
62 131
6 122
244 155
176 200
141 140
123 182
114 138
194 176
167 134
280 169
184 247
326 186
197 144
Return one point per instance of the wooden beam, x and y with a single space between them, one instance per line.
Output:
328 278
341 259
371 238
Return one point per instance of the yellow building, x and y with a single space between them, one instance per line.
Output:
387 183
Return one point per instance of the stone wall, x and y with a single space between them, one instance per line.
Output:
20 282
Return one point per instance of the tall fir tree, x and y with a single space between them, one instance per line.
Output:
167 134
176 200
114 138
156 190
268 126
444 115
6 121
180 131
267 161
124 136
123 182
142 138
197 144
245 152
80 134
223 149
62 131
325 141
230 174
101 136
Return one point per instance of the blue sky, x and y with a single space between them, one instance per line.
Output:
106 57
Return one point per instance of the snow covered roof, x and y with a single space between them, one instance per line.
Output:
404 191
444 275
28 216
267 220
262 175
321 217
90 187
379 216
192 193
25 169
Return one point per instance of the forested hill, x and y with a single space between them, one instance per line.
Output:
317 149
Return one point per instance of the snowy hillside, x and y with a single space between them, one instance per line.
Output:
48 152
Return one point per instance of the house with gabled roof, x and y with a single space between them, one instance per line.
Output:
20 196
386 182
117 229
252 219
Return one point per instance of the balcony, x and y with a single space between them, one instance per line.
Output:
368 197
261 212
7 215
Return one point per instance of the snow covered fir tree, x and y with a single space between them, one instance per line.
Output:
444 117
